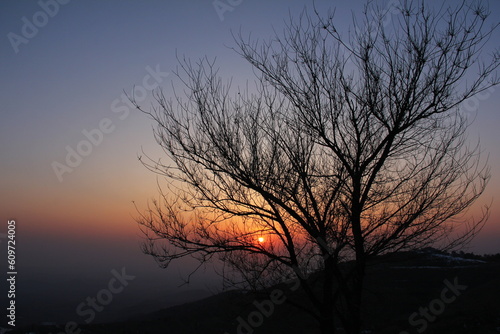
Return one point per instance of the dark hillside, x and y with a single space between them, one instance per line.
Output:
414 292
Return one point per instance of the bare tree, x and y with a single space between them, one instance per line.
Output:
350 146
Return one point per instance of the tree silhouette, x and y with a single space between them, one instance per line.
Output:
350 146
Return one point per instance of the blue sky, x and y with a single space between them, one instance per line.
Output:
65 79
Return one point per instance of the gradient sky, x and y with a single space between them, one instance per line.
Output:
70 76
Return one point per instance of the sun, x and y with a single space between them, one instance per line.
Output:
261 239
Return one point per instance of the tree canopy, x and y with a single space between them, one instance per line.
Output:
350 146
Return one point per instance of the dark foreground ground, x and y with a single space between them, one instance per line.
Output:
425 292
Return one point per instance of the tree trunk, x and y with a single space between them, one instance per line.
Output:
355 302
354 320
327 323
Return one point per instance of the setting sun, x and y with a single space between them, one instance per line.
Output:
261 239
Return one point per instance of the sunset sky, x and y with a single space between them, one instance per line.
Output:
66 79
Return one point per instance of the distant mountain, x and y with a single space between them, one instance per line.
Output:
409 292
